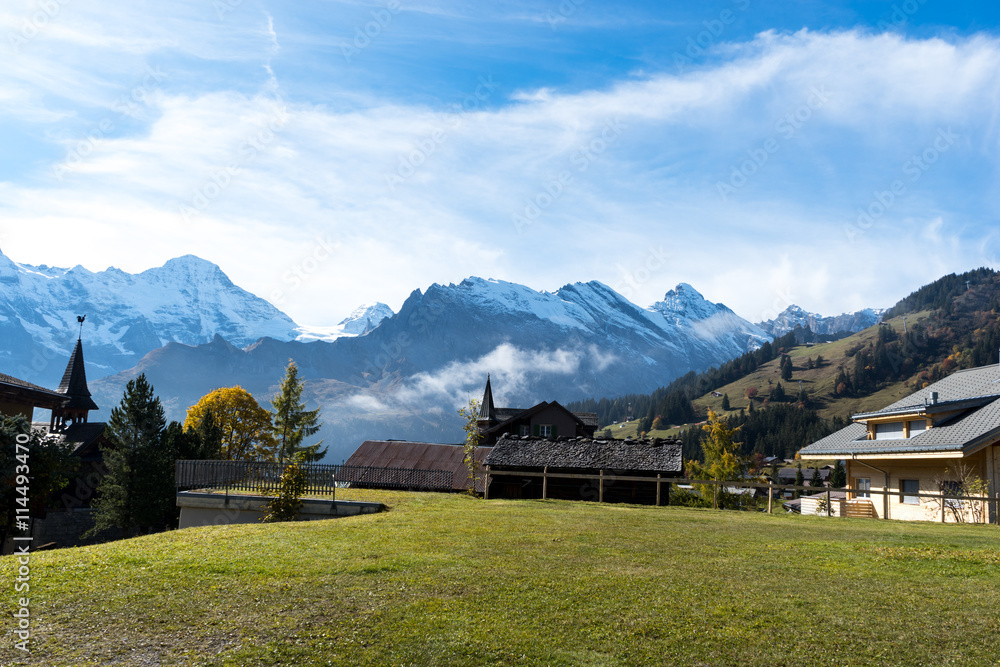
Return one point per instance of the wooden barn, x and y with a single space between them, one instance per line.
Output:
406 455
563 459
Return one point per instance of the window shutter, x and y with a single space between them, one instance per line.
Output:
555 430
536 431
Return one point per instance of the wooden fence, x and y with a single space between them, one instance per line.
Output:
603 478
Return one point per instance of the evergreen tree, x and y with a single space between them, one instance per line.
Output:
816 481
292 422
137 493
838 476
786 368
725 402
800 480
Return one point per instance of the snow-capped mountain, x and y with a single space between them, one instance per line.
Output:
187 300
846 323
405 377
686 308
358 323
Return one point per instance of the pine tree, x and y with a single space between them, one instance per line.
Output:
137 493
292 422
786 368
838 476
725 402
816 481
800 480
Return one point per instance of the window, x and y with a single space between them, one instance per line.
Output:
951 488
863 485
545 430
908 487
890 431
917 427
524 429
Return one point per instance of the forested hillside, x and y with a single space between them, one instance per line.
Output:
785 395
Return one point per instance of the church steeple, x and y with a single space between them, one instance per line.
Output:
74 387
487 412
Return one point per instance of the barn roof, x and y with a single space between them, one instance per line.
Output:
655 456
40 396
417 456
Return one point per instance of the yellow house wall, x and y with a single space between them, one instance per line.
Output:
926 471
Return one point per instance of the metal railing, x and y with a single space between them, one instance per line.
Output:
321 478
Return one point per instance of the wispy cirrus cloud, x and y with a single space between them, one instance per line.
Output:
609 169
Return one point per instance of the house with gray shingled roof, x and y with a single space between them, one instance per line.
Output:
546 419
919 443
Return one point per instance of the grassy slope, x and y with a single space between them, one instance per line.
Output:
450 580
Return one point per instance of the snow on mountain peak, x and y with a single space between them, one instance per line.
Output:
187 300
684 301
362 320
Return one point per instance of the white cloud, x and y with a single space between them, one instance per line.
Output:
409 194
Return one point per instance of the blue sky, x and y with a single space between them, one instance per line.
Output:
328 154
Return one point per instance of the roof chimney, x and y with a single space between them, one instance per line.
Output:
933 399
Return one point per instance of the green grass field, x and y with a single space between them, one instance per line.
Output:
452 580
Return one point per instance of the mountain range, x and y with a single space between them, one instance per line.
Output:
378 373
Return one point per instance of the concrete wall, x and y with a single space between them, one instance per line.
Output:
214 509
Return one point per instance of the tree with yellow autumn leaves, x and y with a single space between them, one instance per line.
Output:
247 429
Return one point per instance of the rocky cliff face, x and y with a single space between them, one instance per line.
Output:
846 323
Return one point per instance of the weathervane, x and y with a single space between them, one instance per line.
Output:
80 319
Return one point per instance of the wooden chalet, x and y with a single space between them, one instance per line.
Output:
919 444
546 420
604 460
65 518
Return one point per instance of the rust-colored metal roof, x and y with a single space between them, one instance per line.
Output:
417 456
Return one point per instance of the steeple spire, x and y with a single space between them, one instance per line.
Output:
487 412
74 387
